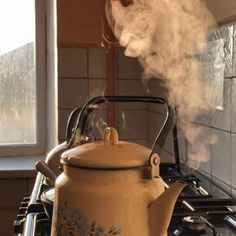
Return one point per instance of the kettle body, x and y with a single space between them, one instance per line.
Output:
113 187
103 202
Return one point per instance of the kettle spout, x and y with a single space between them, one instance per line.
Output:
160 211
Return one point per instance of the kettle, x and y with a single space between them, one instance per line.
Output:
112 187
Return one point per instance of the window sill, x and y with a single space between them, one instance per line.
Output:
18 167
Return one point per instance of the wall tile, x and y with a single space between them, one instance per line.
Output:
234 62
155 122
131 88
182 146
142 142
221 157
204 118
169 145
221 119
97 87
13 191
133 124
97 63
72 62
128 68
233 160
194 151
72 93
233 115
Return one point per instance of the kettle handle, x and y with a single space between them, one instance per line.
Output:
82 119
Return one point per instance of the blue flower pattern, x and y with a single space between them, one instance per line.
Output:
77 224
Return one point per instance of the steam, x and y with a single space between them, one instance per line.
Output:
167 37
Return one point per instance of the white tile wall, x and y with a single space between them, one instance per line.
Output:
132 87
97 63
72 62
204 118
133 124
233 114
182 144
222 119
155 122
97 87
128 68
233 160
72 93
221 157
194 151
221 167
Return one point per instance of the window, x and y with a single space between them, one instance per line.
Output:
22 77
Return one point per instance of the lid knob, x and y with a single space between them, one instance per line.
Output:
110 136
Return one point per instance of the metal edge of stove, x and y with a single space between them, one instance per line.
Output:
29 225
28 222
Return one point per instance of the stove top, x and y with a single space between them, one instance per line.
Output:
198 211
202 208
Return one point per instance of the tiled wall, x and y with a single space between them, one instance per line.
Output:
82 74
220 167
12 193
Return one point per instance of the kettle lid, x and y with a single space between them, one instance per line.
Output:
110 153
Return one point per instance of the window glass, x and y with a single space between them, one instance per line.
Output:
17 72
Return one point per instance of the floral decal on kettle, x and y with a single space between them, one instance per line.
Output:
77 224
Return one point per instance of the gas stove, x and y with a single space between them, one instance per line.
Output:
198 211
202 208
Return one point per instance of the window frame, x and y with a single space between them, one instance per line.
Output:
39 148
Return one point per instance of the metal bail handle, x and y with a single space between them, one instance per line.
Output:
82 122
160 140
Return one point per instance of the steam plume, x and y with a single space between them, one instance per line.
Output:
167 36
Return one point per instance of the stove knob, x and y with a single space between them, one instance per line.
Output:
26 199
18 226
22 210
20 216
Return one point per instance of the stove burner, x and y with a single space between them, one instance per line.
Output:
194 223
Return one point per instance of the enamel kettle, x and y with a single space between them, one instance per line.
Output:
113 187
